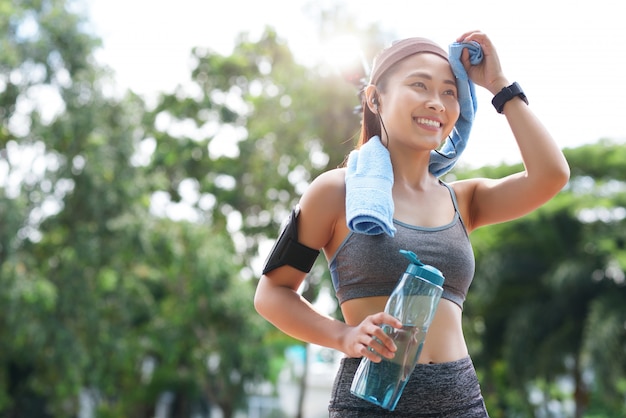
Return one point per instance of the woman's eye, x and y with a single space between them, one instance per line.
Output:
419 84
450 93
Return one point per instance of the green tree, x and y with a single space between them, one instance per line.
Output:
247 136
546 292
96 284
44 53
259 128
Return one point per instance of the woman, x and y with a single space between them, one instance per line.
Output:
411 106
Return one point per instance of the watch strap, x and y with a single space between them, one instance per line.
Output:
506 94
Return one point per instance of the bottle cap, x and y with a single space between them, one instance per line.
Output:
417 268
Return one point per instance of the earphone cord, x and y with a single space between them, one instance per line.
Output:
453 146
384 128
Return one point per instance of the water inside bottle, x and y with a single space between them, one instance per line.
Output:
409 340
387 379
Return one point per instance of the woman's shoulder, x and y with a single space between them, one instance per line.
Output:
335 174
464 193
323 208
331 181
327 191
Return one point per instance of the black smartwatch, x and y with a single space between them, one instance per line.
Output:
506 94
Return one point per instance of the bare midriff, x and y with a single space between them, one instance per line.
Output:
444 341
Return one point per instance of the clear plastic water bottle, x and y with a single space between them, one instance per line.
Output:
414 302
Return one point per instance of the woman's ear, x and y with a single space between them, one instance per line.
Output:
372 98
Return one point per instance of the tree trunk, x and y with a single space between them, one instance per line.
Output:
581 393
227 410
303 384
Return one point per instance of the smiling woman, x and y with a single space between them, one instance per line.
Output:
389 197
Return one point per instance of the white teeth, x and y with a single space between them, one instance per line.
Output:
428 122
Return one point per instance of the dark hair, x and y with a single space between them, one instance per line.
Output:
370 123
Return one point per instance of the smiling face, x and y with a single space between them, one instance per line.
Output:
418 101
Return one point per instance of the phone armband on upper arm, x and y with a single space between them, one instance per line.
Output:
288 251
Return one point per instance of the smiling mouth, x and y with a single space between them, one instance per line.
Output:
428 122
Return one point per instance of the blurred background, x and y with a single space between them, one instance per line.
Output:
150 150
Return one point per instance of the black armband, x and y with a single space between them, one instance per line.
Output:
288 251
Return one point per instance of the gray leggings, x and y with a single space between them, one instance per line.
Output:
444 390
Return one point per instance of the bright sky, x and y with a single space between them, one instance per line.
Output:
568 55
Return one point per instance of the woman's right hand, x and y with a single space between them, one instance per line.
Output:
369 340
488 73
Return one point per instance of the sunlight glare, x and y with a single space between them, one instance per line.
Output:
341 52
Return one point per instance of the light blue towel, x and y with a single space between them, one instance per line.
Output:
369 180
457 141
369 176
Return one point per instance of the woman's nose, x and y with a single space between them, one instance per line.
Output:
436 104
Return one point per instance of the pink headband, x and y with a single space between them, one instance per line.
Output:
398 51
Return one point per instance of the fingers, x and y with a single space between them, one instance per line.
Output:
372 341
467 36
488 73
481 38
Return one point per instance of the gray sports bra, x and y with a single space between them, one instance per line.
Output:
371 265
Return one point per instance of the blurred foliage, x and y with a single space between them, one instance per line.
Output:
544 310
101 295
131 235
